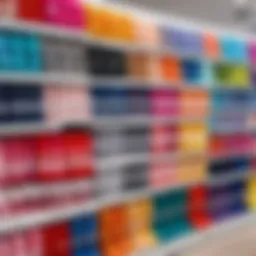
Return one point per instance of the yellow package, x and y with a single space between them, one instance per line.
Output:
193 137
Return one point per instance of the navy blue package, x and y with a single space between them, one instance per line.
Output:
26 103
5 104
109 101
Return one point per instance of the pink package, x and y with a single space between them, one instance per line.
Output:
4 206
3 167
162 173
5 246
65 105
19 245
65 12
34 242
239 143
146 32
20 159
164 103
8 8
252 51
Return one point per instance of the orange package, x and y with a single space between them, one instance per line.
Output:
194 102
170 68
211 46
113 222
119 247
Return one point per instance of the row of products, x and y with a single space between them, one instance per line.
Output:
53 156
27 52
121 229
110 23
35 103
69 154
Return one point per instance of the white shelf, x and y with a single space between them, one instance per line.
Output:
42 217
44 78
218 230
10 224
130 121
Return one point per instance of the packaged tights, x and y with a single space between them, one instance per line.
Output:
21 103
163 139
56 240
27 103
63 56
110 180
136 140
68 13
18 159
108 102
106 62
26 243
135 176
79 153
197 207
170 216
229 166
50 157
21 52
139 102
31 10
8 8
84 236
114 234
140 218
110 141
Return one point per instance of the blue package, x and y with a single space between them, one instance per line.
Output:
233 49
27 103
109 101
83 231
192 71
93 251
5 104
89 224
76 229
182 41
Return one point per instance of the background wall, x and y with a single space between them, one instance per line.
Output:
211 11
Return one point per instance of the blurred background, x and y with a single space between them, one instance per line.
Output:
127 128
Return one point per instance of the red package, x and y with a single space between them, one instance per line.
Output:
197 207
50 153
32 10
56 240
78 149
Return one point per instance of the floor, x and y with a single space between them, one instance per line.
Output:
240 243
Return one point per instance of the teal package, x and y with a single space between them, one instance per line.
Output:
33 53
4 58
15 55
